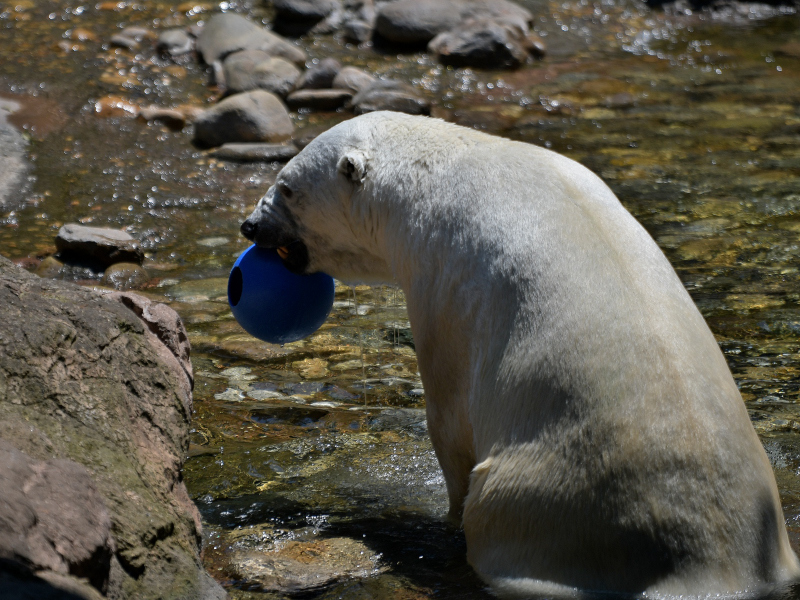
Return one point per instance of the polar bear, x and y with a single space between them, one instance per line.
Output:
589 430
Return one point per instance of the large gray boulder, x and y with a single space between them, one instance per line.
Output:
419 21
256 116
227 33
95 400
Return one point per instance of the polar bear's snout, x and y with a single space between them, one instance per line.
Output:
271 225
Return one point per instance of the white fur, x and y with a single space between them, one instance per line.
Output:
589 430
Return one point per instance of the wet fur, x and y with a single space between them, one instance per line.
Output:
588 428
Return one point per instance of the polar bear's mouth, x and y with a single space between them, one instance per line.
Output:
295 256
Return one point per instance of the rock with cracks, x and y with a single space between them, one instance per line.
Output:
95 399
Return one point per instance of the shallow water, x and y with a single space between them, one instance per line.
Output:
693 120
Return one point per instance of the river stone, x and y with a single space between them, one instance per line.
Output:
319 99
255 152
390 95
171 117
121 41
353 79
125 276
481 43
95 399
357 30
50 267
305 10
256 116
97 244
419 21
255 69
174 42
320 76
304 566
227 33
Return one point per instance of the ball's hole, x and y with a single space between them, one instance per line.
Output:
235 284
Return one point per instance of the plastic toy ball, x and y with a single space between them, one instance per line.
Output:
272 303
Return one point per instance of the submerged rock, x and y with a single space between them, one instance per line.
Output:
227 33
94 421
100 245
255 69
303 566
256 116
125 276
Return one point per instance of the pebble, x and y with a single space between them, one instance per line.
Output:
79 34
115 106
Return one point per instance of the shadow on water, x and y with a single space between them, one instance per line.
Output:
417 548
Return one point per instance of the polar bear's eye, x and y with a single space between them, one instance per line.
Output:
285 191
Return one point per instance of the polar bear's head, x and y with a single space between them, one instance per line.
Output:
322 212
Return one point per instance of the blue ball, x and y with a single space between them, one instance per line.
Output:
272 303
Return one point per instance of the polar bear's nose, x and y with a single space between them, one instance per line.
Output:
248 230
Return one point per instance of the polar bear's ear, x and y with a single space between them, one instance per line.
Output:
353 165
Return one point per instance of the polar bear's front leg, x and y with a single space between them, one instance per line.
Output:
444 371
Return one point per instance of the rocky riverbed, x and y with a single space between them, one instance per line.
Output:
310 463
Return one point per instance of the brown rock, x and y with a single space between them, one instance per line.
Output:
94 408
114 106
